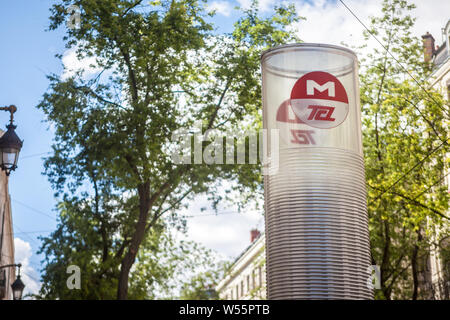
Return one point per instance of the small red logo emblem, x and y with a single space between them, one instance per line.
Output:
319 100
291 127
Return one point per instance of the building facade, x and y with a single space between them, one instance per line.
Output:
246 279
439 262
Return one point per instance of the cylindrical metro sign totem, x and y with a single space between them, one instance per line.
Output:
317 238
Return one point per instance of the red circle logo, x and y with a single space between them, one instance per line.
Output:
319 99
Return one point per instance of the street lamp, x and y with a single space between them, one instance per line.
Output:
10 144
17 286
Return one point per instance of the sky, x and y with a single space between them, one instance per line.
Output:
27 55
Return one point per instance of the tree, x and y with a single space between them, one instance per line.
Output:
405 132
202 286
164 70
87 237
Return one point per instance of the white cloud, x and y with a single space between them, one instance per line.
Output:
221 7
228 232
244 4
263 5
432 16
23 253
330 22
72 64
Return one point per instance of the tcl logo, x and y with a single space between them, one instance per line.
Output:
302 136
293 131
321 113
319 100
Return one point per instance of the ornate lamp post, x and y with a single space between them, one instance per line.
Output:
10 144
17 286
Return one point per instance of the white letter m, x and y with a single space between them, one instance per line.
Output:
311 85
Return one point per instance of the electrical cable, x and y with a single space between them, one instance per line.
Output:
396 60
406 173
33 209
420 86
34 155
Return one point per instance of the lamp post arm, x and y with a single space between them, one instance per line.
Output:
12 108
11 265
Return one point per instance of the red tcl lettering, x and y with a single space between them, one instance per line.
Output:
303 136
322 113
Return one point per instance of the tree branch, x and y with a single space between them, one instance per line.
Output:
131 8
425 118
88 90
413 201
159 213
133 167
219 104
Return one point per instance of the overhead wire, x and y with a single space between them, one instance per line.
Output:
444 142
407 172
34 209
393 57
34 155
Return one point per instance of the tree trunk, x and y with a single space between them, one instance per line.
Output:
414 271
414 264
136 240
385 261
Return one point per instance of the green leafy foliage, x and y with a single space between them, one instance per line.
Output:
405 131
202 286
162 70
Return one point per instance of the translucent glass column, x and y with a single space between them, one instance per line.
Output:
317 239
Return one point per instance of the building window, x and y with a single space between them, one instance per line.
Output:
242 288
253 279
237 291
248 283
260 276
